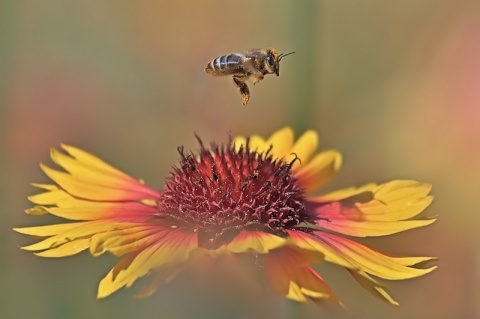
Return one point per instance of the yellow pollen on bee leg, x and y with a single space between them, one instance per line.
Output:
256 80
245 99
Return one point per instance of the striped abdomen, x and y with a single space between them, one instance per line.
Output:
226 65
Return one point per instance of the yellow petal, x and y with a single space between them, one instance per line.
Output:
91 161
309 242
50 197
123 241
238 141
374 210
68 249
411 261
256 241
303 149
402 189
73 208
369 228
257 143
319 170
173 248
281 142
89 177
87 166
45 231
37 211
76 209
107 192
344 193
108 285
371 285
371 261
47 187
65 233
288 274
393 191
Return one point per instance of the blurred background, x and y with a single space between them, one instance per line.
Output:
395 86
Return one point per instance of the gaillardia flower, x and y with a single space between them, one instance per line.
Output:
250 197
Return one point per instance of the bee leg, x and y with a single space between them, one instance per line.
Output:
244 91
257 78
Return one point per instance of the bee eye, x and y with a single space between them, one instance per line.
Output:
270 61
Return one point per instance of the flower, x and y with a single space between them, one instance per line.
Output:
251 197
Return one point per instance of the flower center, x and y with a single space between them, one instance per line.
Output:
221 191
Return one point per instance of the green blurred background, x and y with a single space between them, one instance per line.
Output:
393 85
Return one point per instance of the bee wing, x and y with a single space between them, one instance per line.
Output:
254 53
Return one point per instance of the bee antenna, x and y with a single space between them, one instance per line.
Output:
281 56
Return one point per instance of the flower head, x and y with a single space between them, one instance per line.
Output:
250 197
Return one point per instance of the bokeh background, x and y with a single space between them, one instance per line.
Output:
393 85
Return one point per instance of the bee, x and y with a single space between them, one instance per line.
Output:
254 63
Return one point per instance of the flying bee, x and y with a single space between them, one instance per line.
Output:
254 63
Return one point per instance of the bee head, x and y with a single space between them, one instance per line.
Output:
272 61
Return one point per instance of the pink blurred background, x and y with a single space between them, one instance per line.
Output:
394 86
